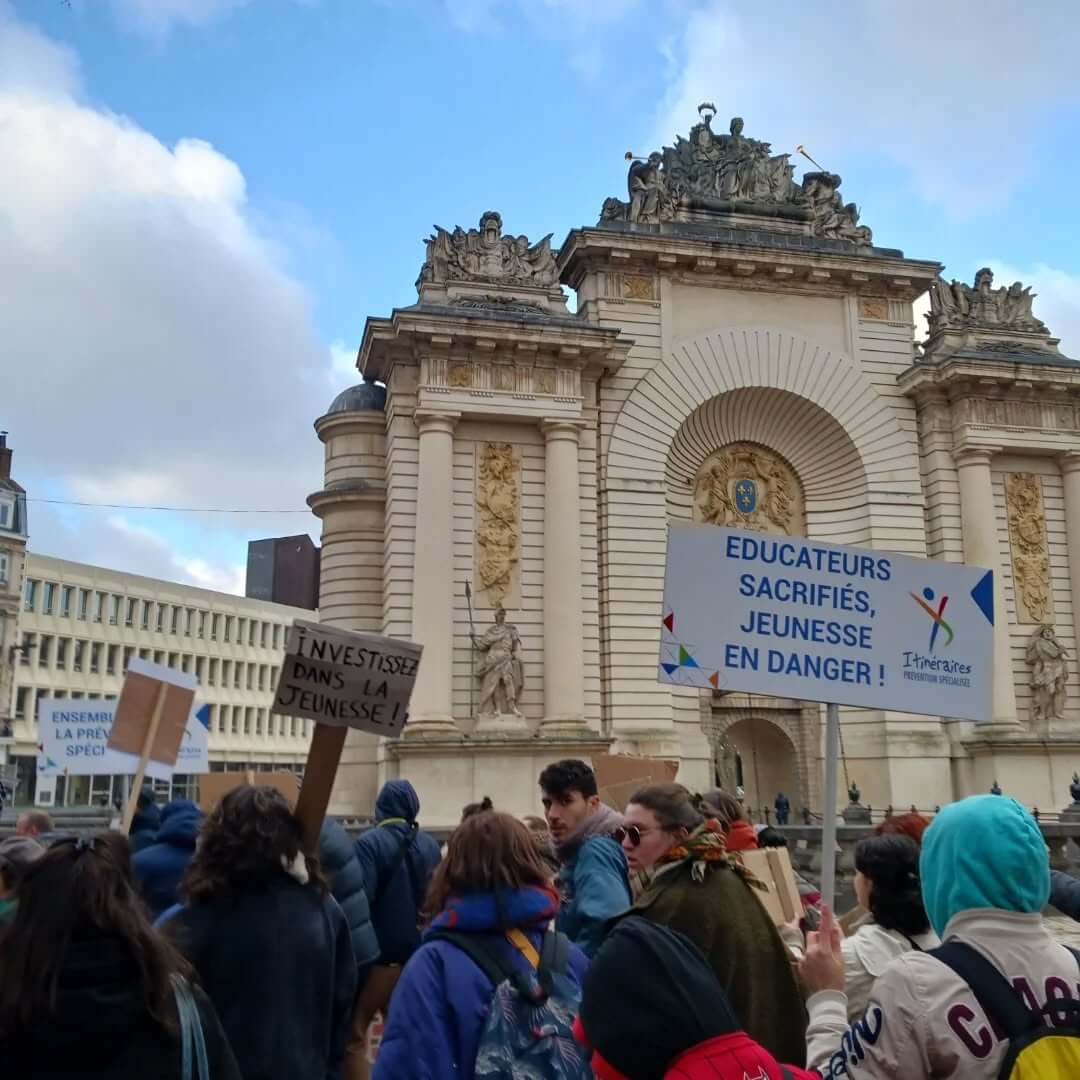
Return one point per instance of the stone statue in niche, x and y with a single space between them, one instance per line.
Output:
498 505
956 306
500 670
1030 550
484 254
1046 657
749 487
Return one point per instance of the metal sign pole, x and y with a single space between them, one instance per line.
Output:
828 811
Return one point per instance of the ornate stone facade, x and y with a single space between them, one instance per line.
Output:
749 487
498 528
737 353
1030 554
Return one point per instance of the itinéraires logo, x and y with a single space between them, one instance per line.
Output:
937 616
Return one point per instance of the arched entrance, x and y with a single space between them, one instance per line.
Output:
765 748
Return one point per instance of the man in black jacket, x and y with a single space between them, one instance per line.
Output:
397 860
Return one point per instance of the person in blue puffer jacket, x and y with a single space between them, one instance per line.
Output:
492 883
159 867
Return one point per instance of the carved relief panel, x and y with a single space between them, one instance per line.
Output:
747 486
1030 552
497 548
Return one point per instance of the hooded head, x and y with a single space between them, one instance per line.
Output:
650 995
398 799
985 851
180 823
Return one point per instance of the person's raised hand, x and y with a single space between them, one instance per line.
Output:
822 967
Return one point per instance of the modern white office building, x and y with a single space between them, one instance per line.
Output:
80 625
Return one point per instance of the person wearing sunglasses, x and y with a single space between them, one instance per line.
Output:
698 889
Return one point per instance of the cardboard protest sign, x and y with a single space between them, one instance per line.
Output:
346 679
73 740
214 786
151 689
798 618
618 776
772 867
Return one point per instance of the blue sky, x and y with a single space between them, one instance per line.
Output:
208 196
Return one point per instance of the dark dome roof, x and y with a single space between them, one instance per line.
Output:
365 396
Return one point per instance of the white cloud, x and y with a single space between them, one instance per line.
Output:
945 93
157 17
29 61
161 353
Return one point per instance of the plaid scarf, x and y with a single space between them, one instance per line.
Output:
706 847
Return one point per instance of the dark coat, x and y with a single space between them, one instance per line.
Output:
396 899
159 867
277 963
101 1030
724 919
1065 894
145 823
342 868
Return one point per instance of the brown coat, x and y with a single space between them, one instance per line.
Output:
728 924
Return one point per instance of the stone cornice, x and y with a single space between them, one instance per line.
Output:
412 333
346 493
344 423
743 256
958 376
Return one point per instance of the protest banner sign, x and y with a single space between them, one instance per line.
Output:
797 618
151 716
73 738
772 867
341 679
214 786
618 776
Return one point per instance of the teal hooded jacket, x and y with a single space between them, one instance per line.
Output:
985 851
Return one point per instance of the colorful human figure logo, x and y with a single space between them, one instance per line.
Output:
926 603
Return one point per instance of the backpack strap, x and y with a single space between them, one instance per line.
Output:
395 865
555 953
1001 1003
487 959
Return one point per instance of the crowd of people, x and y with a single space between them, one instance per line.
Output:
586 942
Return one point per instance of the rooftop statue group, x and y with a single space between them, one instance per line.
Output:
726 171
485 254
956 306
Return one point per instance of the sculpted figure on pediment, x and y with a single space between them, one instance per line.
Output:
484 254
955 306
732 173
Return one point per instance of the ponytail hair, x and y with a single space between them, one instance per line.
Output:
890 863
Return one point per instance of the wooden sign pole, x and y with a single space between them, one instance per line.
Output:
322 764
144 758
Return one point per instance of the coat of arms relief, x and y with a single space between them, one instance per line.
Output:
746 486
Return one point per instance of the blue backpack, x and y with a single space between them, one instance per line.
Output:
528 1030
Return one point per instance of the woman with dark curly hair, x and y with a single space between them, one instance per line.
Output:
269 944
887 885
87 988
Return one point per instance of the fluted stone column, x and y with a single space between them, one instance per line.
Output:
1070 477
431 713
564 662
978 521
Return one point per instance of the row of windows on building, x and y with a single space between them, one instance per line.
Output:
67 601
104 658
224 719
